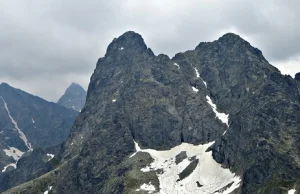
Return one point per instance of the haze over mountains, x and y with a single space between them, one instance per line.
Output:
216 119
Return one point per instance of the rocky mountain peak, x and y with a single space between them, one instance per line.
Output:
3 84
231 38
130 43
74 97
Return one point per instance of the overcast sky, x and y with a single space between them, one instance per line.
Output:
47 44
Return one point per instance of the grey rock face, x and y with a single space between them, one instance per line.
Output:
297 76
28 122
73 98
161 102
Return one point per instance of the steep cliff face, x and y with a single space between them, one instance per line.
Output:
223 93
74 97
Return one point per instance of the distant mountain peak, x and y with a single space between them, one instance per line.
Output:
4 84
74 97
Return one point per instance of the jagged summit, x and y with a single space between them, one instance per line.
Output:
74 97
129 42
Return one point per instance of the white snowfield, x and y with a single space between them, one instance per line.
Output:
21 134
222 116
292 191
208 173
147 187
15 153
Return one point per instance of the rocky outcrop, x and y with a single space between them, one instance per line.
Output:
74 97
160 103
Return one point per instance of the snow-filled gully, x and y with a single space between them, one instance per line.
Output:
21 134
206 176
222 116
12 151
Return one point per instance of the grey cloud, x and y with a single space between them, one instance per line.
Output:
45 45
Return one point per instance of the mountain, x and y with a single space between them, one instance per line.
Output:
297 76
216 119
28 123
74 97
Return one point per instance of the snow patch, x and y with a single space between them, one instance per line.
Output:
1 132
197 72
147 187
177 65
32 120
292 191
198 76
222 116
46 192
50 156
114 100
207 177
195 89
12 164
21 134
13 152
121 48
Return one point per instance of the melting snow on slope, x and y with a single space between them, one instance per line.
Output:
222 116
15 153
292 191
198 76
207 177
50 156
12 164
147 187
21 134
177 65
195 89
46 192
